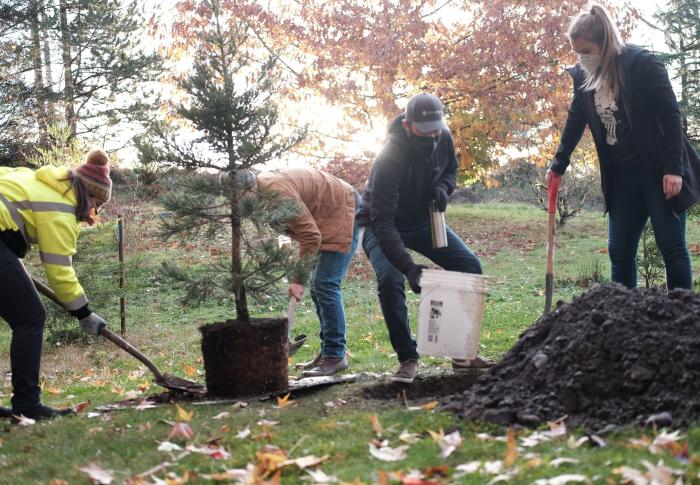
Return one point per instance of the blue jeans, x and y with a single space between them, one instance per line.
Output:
329 271
635 197
390 281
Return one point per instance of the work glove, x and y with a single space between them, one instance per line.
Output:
413 277
93 324
440 198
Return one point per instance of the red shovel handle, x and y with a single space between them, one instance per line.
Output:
552 191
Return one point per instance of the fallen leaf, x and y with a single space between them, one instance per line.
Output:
284 402
409 438
306 461
239 405
447 443
80 407
266 423
97 474
467 468
190 371
318 477
222 415
168 446
511 449
216 452
376 425
243 434
145 404
58 482
574 443
557 429
430 405
386 453
493 467
562 480
665 441
52 390
270 459
562 461
184 415
181 430
22 420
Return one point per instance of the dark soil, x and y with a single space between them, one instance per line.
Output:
244 359
613 356
424 387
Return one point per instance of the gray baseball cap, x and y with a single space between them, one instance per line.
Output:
425 111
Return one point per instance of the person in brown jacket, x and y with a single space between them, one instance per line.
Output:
325 228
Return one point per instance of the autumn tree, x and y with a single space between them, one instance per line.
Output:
498 65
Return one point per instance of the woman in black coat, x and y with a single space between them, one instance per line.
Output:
648 169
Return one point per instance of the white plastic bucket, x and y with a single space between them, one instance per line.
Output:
450 315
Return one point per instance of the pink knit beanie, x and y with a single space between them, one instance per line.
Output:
95 175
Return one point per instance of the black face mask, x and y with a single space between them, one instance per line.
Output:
424 144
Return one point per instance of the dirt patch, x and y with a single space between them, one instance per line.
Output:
488 239
432 386
245 358
612 356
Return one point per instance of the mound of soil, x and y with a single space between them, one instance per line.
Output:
612 356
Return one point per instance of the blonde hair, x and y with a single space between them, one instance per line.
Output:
595 25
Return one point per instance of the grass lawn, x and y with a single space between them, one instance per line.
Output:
338 423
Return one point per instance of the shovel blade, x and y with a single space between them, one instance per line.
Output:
179 384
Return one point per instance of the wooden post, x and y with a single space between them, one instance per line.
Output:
122 298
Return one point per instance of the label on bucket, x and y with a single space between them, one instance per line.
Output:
434 320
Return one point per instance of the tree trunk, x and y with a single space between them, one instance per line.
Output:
242 313
48 81
39 92
68 90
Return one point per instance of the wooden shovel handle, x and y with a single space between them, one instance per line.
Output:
106 333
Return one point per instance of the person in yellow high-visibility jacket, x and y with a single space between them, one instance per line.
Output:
44 208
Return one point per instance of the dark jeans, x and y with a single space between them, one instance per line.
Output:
328 273
636 196
390 281
21 307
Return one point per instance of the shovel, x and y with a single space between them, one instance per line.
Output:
552 192
168 381
299 340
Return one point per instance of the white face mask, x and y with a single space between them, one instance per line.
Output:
589 62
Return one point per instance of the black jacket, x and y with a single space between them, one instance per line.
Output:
655 125
400 187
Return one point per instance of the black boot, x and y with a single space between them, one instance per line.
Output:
41 412
5 413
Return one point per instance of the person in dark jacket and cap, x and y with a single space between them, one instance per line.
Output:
417 167
648 168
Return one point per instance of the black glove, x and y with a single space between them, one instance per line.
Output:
440 198
413 277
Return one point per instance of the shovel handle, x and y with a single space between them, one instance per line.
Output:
106 333
553 192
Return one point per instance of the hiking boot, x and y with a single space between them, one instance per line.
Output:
406 372
5 413
327 366
41 412
310 364
478 362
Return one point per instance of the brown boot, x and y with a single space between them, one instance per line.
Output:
327 366
460 365
406 372
310 364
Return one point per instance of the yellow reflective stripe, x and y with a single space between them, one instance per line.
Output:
16 216
57 259
44 206
77 304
